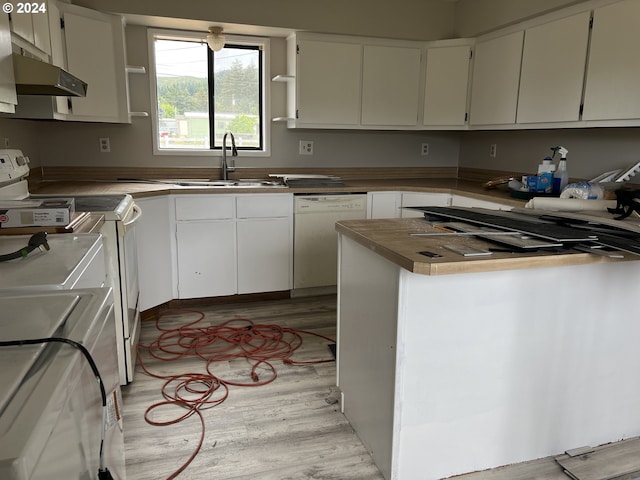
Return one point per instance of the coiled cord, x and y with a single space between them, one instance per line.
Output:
259 344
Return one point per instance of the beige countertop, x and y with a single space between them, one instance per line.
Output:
391 239
139 190
388 237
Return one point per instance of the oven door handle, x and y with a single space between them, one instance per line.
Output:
137 213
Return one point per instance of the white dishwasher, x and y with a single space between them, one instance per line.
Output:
315 247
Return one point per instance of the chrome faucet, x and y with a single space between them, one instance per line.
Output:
234 153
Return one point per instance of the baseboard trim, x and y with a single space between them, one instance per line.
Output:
154 312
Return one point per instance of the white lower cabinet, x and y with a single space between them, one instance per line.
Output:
461 201
233 244
383 204
422 199
154 246
207 245
206 258
390 204
264 254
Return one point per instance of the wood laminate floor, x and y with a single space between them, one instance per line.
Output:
286 430
290 429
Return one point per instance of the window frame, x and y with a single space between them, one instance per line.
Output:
264 42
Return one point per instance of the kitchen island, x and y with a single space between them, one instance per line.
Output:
450 365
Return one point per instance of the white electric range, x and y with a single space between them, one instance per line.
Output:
73 261
120 214
54 420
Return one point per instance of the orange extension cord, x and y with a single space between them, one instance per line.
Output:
260 344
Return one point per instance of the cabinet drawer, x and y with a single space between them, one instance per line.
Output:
204 207
266 205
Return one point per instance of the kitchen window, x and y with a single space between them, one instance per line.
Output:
200 94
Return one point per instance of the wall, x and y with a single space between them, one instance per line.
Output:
475 17
22 134
591 151
406 19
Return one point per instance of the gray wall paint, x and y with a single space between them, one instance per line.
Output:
591 151
406 19
475 17
22 134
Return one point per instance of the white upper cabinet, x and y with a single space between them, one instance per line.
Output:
30 26
344 82
91 46
612 89
95 52
8 97
553 64
390 85
496 76
574 67
328 83
446 84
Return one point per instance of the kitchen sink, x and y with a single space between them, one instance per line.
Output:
209 183
230 183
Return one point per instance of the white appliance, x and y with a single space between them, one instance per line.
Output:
315 247
73 261
51 407
120 215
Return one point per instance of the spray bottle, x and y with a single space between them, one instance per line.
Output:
561 176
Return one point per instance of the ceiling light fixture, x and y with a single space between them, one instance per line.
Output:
215 39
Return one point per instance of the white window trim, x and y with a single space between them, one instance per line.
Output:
152 33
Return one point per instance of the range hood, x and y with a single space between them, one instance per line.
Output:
35 77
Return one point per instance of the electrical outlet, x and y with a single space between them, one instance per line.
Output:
425 149
493 150
306 147
5 142
105 145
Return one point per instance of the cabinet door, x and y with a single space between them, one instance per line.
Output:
32 27
153 235
383 204
22 25
8 97
611 90
265 254
447 80
95 54
553 63
328 82
206 260
390 85
41 27
418 199
496 74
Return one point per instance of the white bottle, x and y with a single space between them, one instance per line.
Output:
546 166
561 176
